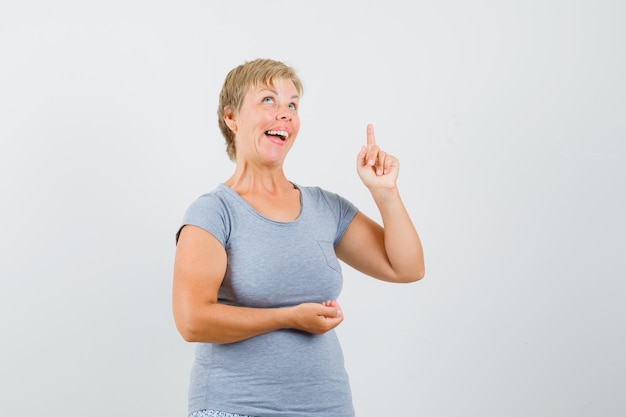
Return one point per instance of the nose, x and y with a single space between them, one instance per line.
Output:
284 113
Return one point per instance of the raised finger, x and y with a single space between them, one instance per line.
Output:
371 140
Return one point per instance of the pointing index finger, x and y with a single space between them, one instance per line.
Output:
370 135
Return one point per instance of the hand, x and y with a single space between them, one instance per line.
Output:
376 168
317 318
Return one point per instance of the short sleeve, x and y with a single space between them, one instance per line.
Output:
209 213
344 211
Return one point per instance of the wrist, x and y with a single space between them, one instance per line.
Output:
385 195
284 317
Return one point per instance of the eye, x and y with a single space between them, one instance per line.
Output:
293 106
268 100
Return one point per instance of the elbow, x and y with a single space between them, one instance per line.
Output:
188 320
189 337
193 328
196 324
413 276
188 327
412 271
406 276
420 274
187 332
419 271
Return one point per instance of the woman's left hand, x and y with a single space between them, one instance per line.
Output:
376 168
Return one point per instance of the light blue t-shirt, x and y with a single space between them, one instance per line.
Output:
274 264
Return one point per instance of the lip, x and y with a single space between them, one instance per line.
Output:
276 139
280 128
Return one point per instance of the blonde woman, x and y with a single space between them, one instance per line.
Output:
257 275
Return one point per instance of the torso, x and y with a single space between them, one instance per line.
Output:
274 264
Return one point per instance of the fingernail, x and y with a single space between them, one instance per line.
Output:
370 162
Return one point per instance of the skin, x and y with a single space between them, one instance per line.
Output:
391 253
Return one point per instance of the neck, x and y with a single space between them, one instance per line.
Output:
250 179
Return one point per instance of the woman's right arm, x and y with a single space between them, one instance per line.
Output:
199 269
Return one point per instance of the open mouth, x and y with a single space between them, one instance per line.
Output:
281 134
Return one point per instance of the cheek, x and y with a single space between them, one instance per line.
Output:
296 123
262 119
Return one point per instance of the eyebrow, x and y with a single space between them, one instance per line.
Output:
276 92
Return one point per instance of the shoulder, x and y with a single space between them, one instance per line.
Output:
211 212
216 199
215 205
320 197
320 194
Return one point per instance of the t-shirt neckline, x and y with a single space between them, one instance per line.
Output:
252 210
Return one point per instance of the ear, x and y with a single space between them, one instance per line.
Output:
229 118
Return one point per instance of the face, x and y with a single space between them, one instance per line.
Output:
267 123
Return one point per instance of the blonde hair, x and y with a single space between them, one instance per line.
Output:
256 73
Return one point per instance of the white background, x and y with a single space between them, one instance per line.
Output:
509 119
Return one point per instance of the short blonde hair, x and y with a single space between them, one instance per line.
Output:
257 73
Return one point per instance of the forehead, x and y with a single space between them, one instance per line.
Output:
278 85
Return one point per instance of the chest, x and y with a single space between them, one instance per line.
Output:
273 265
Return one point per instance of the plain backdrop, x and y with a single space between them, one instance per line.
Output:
509 119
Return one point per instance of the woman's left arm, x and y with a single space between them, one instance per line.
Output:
394 251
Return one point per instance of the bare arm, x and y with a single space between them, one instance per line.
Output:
392 252
199 269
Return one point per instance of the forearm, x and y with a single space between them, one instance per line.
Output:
220 323
401 240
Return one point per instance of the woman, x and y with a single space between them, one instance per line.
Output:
256 273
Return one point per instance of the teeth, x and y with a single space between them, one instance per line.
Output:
278 133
